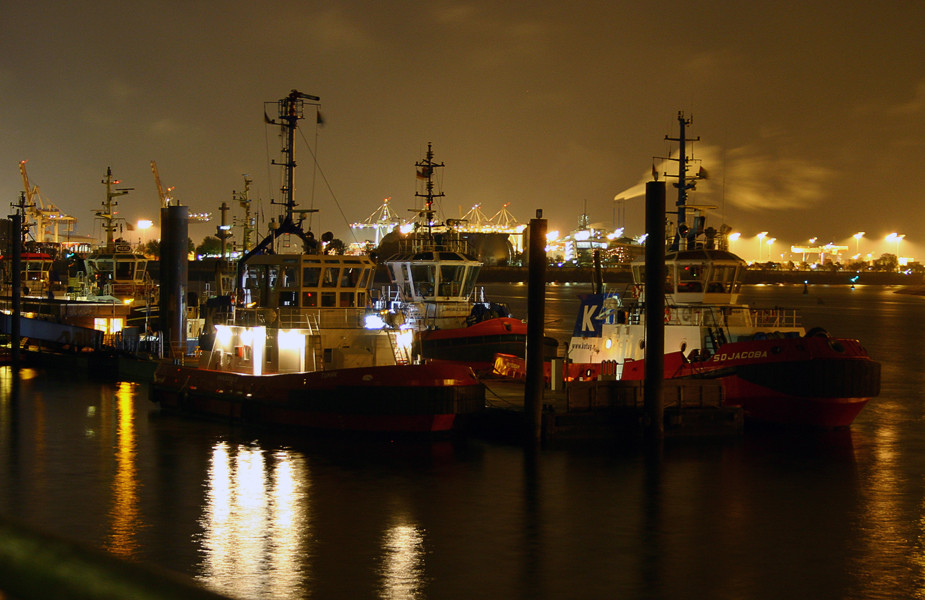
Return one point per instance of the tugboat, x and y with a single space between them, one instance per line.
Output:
433 291
768 364
291 347
115 269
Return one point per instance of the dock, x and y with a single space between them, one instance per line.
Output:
609 409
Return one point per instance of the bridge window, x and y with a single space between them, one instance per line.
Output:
331 275
423 277
690 279
350 277
311 276
451 279
287 277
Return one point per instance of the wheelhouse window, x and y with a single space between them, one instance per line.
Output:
350 277
331 275
721 279
311 276
451 279
423 277
471 277
690 278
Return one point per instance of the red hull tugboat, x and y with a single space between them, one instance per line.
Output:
392 398
768 364
293 348
433 291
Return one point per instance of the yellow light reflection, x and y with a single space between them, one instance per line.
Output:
403 562
124 514
254 523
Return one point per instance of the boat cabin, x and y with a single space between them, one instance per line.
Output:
698 276
307 280
35 273
434 275
118 271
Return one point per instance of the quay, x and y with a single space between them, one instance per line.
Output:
607 409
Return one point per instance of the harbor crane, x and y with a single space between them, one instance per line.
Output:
43 216
163 194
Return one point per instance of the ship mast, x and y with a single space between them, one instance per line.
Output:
425 171
291 110
108 215
682 184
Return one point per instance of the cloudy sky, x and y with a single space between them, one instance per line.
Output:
811 114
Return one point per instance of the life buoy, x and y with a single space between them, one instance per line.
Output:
667 314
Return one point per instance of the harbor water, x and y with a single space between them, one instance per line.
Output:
258 514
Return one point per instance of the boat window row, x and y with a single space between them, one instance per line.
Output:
428 280
696 278
309 283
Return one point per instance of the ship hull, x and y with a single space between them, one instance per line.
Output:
810 381
478 344
395 399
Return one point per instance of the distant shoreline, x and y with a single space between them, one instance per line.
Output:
204 271
752 277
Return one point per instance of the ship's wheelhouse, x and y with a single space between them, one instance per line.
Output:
308 280
434 275
710 276
34 274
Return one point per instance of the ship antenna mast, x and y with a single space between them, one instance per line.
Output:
425 171
107 214
682 185
291 109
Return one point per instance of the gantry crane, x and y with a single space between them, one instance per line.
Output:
43 216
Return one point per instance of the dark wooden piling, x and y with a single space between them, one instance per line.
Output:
536 317
16 252
655 309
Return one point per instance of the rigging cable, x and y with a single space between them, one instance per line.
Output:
328 185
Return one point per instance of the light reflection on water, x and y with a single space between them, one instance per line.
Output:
253 516
403 562
254 523
124 513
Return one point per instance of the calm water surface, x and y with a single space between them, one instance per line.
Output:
256 515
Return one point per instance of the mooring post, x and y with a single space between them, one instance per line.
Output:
536 317
174 275
653 399
16 252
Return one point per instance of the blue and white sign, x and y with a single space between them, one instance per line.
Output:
589 321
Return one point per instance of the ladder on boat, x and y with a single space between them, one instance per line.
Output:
402 353
716 336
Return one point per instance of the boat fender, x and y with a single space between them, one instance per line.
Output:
817 332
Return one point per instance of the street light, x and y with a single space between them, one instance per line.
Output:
857 238
144 225
770 241
761 237
895 237
732 237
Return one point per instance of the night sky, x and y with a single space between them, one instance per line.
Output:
811 114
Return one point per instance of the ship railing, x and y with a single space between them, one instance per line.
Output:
449 243
771 318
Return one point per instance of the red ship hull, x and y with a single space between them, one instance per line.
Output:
395 399
478 344
808 381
